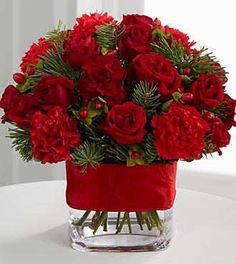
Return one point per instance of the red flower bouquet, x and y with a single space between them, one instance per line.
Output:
121 103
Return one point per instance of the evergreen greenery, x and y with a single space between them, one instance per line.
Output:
58 35
107 36
87 154
150 153
145 95
200 63
52 64
21 142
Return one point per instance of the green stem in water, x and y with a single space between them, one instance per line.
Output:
100 221
82 219
139 219
118 230
157 220
146 219
128 222
105 223
117 220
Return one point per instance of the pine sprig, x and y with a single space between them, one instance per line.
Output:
107 36
150 153
87 154
58 35
145 95
174 52
21 142
200 63
52 64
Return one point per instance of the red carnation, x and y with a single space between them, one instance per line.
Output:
208 91
218 133
33 55
55 90
103 77
125 123
155 68
88 23
79 48
18 107
179 134
53 135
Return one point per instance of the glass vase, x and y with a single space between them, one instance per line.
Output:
120 231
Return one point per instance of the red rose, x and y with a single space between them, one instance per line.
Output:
53 135
103 77
208 91
155 68
218 133
55 90
125 123
179 133
228 111
18 107
79 48
88 23
33 55
129 20
136 39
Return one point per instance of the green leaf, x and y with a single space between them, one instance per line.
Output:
166 105
177 96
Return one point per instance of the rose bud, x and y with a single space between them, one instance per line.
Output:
19 78
187 98
99 105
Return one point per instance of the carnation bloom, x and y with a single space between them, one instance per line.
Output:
33 55
179 133
81 45
103 77
53 135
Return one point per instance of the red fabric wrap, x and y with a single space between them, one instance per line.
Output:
116 187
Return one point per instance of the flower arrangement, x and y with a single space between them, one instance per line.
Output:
135 93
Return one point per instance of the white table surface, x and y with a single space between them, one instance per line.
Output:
33 229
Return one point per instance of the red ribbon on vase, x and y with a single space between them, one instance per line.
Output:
118 188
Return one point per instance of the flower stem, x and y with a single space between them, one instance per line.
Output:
139 219
117 220
82 219
101 219
128 222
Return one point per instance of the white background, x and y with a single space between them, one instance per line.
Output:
210 23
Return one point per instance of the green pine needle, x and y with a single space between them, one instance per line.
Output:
52 64
87 154
145 95
201 63
21 142
107 36
58 35
150 153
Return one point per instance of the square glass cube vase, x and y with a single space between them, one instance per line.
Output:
120 231
118 208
